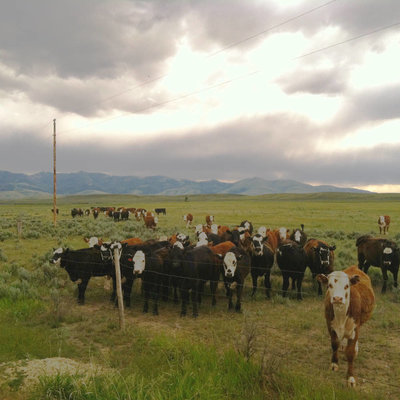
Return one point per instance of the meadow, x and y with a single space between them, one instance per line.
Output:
274 349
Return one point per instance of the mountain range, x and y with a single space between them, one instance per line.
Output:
18 185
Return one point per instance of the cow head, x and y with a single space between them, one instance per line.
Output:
323 253
387 256
262 230
338 287
57 253
184 239
297 236
139 262
198 229
257 244
283 233
176 255
230 264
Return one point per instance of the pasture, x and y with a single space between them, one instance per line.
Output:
274 349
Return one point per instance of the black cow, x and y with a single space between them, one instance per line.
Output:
124 214
382 253
160 211
82 264
262 259
117 215
291 260
320 258
76 212
236 266
197 268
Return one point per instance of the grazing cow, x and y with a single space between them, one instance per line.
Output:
320 258
349 303
236 266
291 260
95 212
188 218
198 267
76 212
384 222
247 225
262 259
299 236
382 253
150 222
93 241
124 215
209 220
160 211
81 265
87 212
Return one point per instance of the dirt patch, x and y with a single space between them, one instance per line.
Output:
25 373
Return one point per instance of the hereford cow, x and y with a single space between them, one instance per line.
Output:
384 222
247 225
262 259
349 303
382 253
319 258
188 218
209 220
81 265
93 241
291 260
299 236
150 222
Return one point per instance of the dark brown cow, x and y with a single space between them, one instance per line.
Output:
319 258
188 218
384 222
349 303
379 252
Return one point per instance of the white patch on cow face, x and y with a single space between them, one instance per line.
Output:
214 229
387 250
257 243
93 241
339 288
139 262
297 236
282 233
179 245
262 230
211 218
56 259
198 229
230 264
185 217
381 219
181 237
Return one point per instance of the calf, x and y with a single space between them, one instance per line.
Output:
382 253
262 259
320 258
291 260
81 265
236 266
188 218
349 303
384 222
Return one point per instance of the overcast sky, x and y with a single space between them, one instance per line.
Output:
204 89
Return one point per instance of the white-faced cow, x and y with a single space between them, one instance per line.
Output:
383 222
299 236
188 218
349 303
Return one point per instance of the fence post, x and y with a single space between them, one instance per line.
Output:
119 289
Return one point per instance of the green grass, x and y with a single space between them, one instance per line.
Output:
276 349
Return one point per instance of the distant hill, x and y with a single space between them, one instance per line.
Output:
41 184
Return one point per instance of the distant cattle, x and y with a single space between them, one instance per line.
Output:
299 236
81 265
95 212
262 260
124 215
291 260
188 218
209 220
382 253
349 303
384 222
57 210
76 212
159 211
320 258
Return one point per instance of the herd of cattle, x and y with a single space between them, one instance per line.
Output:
174 263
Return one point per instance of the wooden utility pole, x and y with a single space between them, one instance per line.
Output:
117 254
54 175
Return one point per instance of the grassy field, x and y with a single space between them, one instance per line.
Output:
274 349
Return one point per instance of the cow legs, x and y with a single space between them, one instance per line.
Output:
285 285
156 295
395 273
229 295
195 295
385 279
81 290
351 352
254 279
335 346
114 290
200 291
126 291
267 284
146 297
299 281
239 290
213 288
185 298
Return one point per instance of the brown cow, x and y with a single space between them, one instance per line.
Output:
209 220
150 221
349 303
384 222
188 218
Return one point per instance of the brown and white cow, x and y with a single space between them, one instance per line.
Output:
150 222
349 303
209 220
188 218
93 241
384 222
132 241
